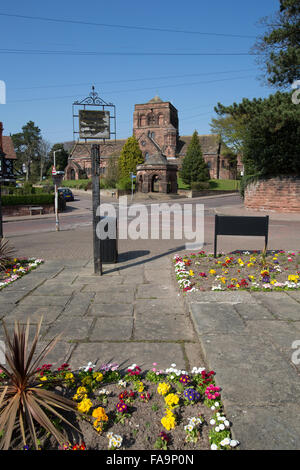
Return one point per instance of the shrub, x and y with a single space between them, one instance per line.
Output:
27 200
124 184
22 399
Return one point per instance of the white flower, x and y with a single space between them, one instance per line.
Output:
212 422
173 365
213 408
217 404
214 447
217 429
222 427
233 443
227 423
188 427
225 442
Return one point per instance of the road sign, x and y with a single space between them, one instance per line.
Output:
53 170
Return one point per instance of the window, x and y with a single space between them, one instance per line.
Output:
153 135
208 165
146 156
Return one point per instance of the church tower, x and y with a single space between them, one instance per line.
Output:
155 125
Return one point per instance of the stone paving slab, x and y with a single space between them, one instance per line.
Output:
78 305
216 318
110 310
45 300
266 427
163 327
121 294
113 329
74 329
169 306
34 314
282 306
155 291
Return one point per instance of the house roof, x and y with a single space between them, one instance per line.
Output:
8 148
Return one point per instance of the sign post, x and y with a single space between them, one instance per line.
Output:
98 124
95 155
132 176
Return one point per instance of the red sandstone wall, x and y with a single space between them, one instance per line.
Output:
280 194
12 211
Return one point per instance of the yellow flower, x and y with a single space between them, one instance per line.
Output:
274 281
212 271
250 265
223 279
163 388
293 277
168 421
69 376
44 378
191 273
100 415
237 285
98 376
171 400
85 405
80 393
87 380
141 387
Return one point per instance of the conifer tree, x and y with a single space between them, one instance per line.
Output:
194 168
131 156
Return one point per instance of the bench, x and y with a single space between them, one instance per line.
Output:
31 209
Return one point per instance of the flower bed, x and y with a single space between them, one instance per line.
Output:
241 270
17 268
170 409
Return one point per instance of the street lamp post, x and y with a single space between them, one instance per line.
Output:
54 173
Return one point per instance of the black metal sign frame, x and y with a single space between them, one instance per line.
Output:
241 225
94 101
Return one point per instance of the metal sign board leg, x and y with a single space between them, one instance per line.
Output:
95 156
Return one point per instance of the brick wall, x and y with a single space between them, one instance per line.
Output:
13 211
281 194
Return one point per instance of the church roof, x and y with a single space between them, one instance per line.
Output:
156 99
156 159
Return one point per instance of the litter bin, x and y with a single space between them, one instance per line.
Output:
109 246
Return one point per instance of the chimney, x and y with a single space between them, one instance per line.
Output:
1 140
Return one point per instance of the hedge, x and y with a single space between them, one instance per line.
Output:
27 200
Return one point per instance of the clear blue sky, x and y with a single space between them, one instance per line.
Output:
41 87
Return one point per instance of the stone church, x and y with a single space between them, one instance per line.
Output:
156 127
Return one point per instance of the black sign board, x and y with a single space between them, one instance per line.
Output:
243 226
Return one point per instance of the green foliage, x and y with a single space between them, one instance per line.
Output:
112 174
279 47
231 131
131 156
24 402
124 184
27 147
61 157
272 139
6 253
27 200
194 167
200 185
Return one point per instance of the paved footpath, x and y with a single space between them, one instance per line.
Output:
133 314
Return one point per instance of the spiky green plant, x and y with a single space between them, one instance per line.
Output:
6 253
24 403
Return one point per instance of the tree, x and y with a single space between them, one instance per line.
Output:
272 137
61 157
194 168
112 174
279 47
131 156
231 131
26 144
44 149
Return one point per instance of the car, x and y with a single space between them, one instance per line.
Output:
66 193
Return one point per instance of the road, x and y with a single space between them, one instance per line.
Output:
37 236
